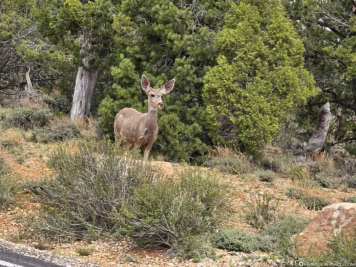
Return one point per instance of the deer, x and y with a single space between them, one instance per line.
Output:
141 129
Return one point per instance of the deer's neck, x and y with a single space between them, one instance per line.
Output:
152 117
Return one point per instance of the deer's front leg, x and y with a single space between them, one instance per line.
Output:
147 152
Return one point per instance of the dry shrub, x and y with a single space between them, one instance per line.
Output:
88 191
227 161
176 213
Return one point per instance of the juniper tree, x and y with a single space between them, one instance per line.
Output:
259 76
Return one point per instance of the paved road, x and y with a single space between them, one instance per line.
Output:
11 259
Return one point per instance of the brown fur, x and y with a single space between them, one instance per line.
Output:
141 129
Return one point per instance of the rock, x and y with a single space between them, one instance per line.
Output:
332 220
165 168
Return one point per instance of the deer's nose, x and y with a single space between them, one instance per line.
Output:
160 105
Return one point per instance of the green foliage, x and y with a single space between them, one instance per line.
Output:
27 118
351 199
172 212
328 179
89 188
299 173
341 250
311 202
349 180
231 163
328 30
235 240
196 247
294 193
314 202
259 75
8 185
59 103
261 211
83 251
283 229
175 41
59 131
265 175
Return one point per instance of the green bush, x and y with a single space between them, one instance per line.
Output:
314 202
283 229
235 240
27 118
299 173
171 211
8 185
328 179
196 247
261 211
59 103
265 175
272 164
351 199
89 188
57 132
341 251
231 164
349 180
294 193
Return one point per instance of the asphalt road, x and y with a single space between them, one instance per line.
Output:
11 259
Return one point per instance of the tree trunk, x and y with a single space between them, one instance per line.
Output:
30 91
83 93
84 83
317 140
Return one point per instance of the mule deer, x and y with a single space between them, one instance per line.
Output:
141 129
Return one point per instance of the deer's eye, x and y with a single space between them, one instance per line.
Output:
152 95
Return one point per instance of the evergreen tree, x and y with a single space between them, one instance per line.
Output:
259 76
328 29
83 29
165 40
21 49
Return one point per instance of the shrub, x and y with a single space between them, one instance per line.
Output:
349 180
231 164
34 186
8 185
196 247
294 193
271 164
27 118
170 212
314 202
266 175
89 188
299 173
341 251
328 179
351 199
283 229
261 211
83 251
235 240
57 132
59 103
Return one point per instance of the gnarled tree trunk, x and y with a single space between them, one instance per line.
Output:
83 93
317 140
84 83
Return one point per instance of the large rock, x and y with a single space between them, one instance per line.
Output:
332 220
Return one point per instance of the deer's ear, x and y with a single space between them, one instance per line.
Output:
145 83
167 87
